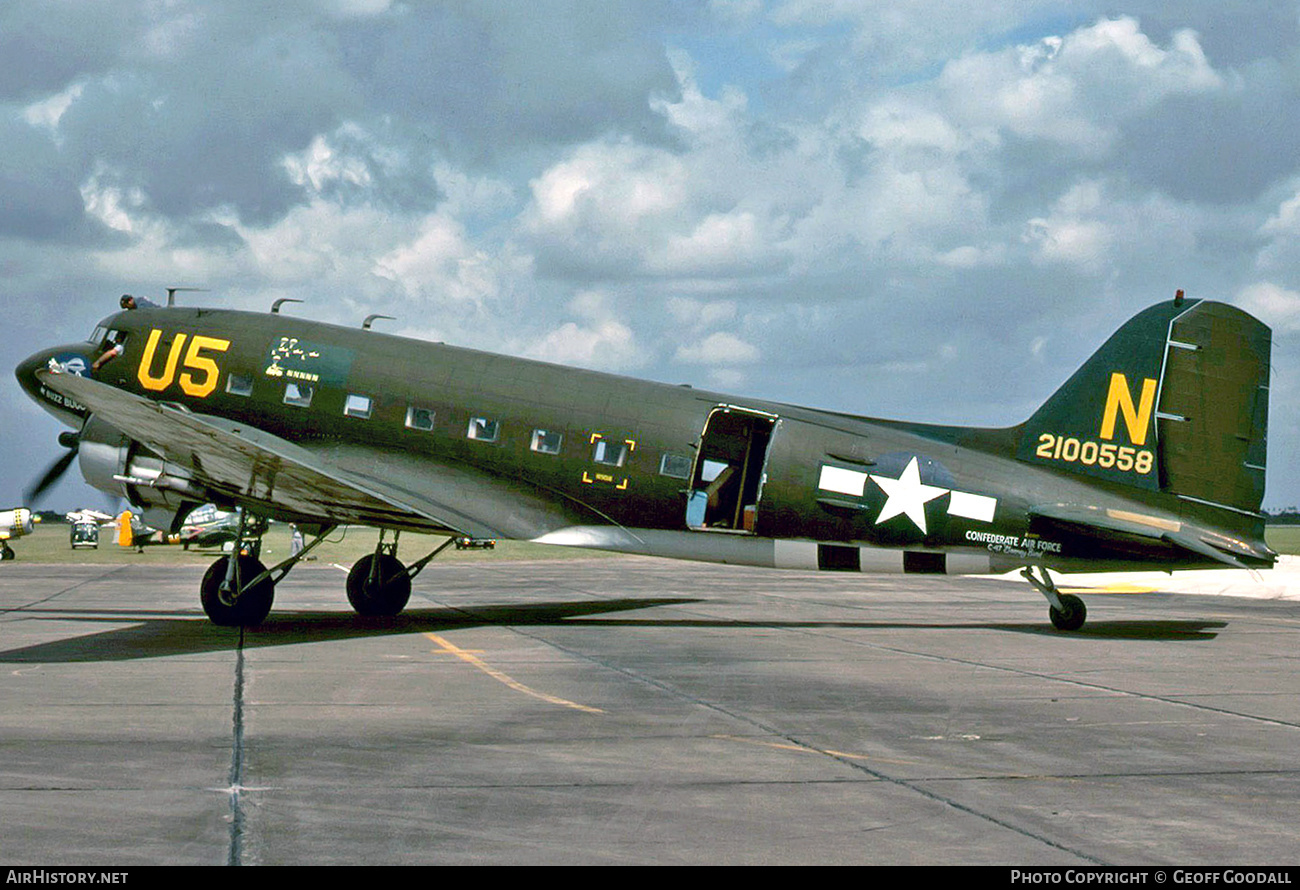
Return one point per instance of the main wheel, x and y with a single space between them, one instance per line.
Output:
385 595
250 608
1072 614
6 552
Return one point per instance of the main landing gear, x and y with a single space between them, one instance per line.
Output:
238 590
1066 610
379 585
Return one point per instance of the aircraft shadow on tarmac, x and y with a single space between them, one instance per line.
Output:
155 637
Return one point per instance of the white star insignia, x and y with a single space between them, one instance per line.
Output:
907 494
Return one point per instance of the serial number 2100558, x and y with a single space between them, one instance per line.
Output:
1089 453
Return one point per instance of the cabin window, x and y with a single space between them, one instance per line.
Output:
239 385
547 441
358 406
483 430
419 418
676 465
298 394
611 454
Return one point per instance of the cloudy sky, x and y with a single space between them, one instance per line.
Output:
932 209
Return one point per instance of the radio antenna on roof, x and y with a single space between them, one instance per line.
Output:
171 293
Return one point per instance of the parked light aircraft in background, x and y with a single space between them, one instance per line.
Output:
13 524
1151 455
205 527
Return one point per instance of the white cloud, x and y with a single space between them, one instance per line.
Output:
1275 306
441 265
607 345
1076 90
320 164
1073 233
700 315
721 348
46 113
602 341
116 206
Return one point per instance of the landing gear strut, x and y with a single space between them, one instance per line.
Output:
379 585
237 590
1066 610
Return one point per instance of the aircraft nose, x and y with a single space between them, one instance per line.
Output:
26 373
69 360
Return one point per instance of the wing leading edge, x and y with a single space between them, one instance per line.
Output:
248 464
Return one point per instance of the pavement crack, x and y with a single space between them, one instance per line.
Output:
235 848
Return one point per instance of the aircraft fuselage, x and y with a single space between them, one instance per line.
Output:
568 456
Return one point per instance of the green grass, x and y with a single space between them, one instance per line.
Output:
1283 538
49 545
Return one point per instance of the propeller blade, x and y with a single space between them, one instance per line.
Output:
52 475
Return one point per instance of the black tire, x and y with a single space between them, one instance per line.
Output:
6 552
1072 614
385 598
253 605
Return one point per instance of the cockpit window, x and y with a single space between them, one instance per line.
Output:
102 331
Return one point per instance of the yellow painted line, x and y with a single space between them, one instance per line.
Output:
806 749
501 677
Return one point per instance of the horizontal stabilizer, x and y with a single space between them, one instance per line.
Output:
1195 544
1105 525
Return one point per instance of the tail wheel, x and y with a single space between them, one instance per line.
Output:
1071 615
383 594
248 609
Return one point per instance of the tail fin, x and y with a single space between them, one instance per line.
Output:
1175 401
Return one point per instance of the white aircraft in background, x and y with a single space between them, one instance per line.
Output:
13 524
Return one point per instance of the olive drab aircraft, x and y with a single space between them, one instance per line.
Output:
1151 455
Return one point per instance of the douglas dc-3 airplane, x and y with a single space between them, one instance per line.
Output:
1150 456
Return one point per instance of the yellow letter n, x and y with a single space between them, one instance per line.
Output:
1119 399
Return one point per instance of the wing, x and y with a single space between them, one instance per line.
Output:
247 464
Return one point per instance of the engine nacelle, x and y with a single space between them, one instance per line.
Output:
15 523
113 462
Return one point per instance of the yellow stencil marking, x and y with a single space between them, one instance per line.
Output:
1118 587
502 677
